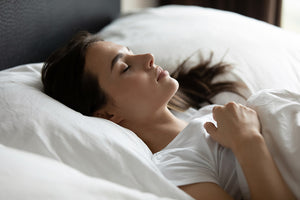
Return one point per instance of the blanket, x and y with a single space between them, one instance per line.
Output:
279 114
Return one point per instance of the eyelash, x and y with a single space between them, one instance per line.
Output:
127 68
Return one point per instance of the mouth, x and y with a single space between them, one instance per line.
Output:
160 73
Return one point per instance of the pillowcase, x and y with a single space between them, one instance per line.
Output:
38 177
263 56
34 122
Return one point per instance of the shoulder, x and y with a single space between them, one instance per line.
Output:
191 153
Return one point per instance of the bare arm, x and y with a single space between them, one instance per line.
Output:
206 191
239 129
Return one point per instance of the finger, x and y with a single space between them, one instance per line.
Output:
210 128
215 111
231 105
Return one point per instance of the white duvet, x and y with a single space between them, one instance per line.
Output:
279 113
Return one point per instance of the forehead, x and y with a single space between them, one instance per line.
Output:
100 54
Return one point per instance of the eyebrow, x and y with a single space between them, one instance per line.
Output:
116 58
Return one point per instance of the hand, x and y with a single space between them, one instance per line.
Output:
236 124
238 128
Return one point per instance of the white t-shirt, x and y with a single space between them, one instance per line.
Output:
193 157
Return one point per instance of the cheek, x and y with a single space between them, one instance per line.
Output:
141 92
131 88
147 89
141 84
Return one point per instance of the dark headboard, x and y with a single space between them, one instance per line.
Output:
31 29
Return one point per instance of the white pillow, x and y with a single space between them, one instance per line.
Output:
27 176
264 56
34 122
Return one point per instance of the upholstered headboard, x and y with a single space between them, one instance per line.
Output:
31 29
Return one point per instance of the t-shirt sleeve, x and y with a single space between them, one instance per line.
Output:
182 167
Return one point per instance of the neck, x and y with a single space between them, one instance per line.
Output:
158 130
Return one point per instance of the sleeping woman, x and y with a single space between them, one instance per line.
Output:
106 80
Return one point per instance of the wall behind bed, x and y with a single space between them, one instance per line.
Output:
128 6
31 29
265 10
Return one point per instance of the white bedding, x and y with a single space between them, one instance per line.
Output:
33 122
100 153
279 112
263 55
27 176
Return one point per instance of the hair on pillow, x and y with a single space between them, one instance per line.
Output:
34 122
258 51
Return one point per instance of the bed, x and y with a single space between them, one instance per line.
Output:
49 151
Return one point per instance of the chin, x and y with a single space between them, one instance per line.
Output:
174 85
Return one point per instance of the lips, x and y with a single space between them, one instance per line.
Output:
160 73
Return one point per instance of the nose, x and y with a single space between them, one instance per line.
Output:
149 58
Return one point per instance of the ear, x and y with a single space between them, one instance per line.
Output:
102 113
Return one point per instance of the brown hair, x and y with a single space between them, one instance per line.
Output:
197 84
64 79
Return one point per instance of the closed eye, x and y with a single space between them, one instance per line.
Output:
126 68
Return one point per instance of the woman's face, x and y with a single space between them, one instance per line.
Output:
136 87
